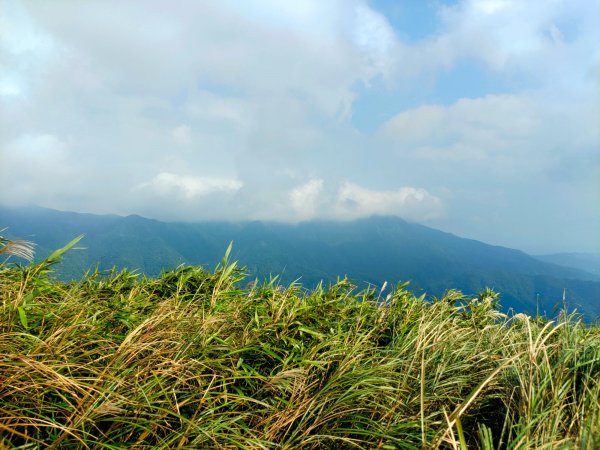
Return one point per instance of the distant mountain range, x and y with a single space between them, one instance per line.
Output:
372 250
588 262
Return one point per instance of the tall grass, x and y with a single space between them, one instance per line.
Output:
193 360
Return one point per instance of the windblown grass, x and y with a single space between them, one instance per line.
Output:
192 360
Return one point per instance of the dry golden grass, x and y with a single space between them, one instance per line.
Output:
191 360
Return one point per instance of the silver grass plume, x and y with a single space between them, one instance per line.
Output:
17 247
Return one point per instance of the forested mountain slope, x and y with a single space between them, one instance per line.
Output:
372 250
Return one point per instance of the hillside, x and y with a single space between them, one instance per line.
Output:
588 262
371 250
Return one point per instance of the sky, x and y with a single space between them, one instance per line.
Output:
477 117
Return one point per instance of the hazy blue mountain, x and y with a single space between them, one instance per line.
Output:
370 250
589 262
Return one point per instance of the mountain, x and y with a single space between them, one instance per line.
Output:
588 262
370 250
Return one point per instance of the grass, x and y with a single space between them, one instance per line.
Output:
193 360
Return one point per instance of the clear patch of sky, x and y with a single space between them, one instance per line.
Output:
413 20
568 27
378 103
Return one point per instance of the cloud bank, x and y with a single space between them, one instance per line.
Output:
488 126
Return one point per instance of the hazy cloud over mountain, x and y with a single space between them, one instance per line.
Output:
478 117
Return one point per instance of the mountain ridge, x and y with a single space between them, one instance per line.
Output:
588 262
370 251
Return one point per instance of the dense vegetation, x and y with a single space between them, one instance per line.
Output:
199 359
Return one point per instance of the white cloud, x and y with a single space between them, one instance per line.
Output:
126 83
551 44
9 88
37 159
485 119
34 166
491 6
39 149
377 40
354 201
189 187
508 134
304 198
182 134
111 93
521 153
316 50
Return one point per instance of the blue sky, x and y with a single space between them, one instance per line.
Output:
478 117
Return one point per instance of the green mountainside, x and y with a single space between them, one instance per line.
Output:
373 250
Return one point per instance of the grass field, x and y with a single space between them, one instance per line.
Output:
202 359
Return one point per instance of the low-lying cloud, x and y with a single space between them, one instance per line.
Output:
355 201
184 187
347 201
